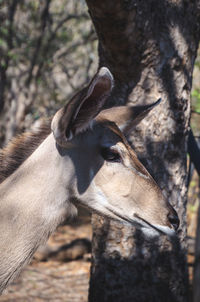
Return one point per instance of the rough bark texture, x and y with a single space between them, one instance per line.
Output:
150 47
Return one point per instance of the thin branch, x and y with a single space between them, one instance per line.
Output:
53 35
64 52
196 112
4 67
68 76
44 18
194 151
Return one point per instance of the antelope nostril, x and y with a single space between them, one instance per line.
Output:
174 220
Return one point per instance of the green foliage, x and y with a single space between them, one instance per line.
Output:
196 100
195 118
193 208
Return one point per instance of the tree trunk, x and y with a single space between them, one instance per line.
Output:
150 47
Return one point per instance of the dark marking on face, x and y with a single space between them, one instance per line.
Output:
133 157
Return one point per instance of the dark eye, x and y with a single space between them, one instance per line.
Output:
110 155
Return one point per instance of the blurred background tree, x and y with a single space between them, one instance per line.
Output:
196 97
48 51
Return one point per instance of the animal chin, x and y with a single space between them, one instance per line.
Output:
165 230
151 230
154 229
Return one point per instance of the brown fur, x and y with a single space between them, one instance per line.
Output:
20 148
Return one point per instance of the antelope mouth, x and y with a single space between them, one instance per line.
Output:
147 227
166 230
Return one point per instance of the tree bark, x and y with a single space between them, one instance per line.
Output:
150 47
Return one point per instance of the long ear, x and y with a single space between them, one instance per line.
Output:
76 116
126 117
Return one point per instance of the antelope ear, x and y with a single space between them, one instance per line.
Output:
127 117
77 115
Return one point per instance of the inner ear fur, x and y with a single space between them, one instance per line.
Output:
76 115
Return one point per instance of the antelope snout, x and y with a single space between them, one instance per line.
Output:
173 218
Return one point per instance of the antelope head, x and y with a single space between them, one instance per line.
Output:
105 173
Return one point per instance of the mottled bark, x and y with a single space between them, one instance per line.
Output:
150 47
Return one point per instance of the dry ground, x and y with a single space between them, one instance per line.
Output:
54 280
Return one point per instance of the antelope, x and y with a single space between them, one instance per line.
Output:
83 159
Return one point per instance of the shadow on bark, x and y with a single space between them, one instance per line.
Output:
153 279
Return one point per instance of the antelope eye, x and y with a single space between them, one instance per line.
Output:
110 155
